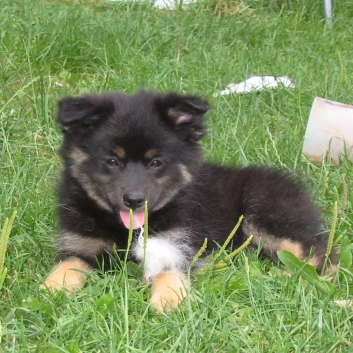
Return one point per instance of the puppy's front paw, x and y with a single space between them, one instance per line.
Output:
67 275
168 290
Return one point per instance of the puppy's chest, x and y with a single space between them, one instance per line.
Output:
166 251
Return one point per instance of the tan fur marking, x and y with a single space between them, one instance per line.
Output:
173 113
261 238
120 152
65 275
168 290
151 153
185 173
293 247
78 156
272 244
330 272
70 241
314 261
164 180
297 250
179 116
89 185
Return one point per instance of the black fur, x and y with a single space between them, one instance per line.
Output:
205 200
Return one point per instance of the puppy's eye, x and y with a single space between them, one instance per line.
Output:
155 163
112 162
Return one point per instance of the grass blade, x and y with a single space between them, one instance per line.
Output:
5 235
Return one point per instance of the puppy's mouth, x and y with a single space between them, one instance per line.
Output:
138 219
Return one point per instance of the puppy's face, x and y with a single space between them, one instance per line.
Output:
124 150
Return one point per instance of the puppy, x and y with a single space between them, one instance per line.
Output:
121 150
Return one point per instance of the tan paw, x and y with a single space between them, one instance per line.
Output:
330 272
168 290
67 275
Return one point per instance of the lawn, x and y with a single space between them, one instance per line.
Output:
50 49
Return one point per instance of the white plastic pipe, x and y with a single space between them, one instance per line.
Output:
328 11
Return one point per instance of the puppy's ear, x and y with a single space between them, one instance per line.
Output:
185 114
83 111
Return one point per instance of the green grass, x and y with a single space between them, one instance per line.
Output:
95 46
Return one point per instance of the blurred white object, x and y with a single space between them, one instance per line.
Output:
171 4
164 4
329 132
328 11
344 303
257 83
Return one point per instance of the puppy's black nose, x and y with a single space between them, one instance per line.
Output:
134 200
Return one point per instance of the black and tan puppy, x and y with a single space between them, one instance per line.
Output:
121 150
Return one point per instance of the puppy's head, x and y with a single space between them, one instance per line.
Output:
124 149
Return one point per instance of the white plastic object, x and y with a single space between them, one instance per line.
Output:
257 83
328 11
166 4
329 133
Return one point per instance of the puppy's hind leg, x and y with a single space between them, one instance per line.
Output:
311 249
281 216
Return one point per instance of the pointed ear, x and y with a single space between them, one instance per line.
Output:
83 111
185 114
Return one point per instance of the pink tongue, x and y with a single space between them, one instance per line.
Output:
139 219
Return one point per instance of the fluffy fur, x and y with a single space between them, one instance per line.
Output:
121 150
